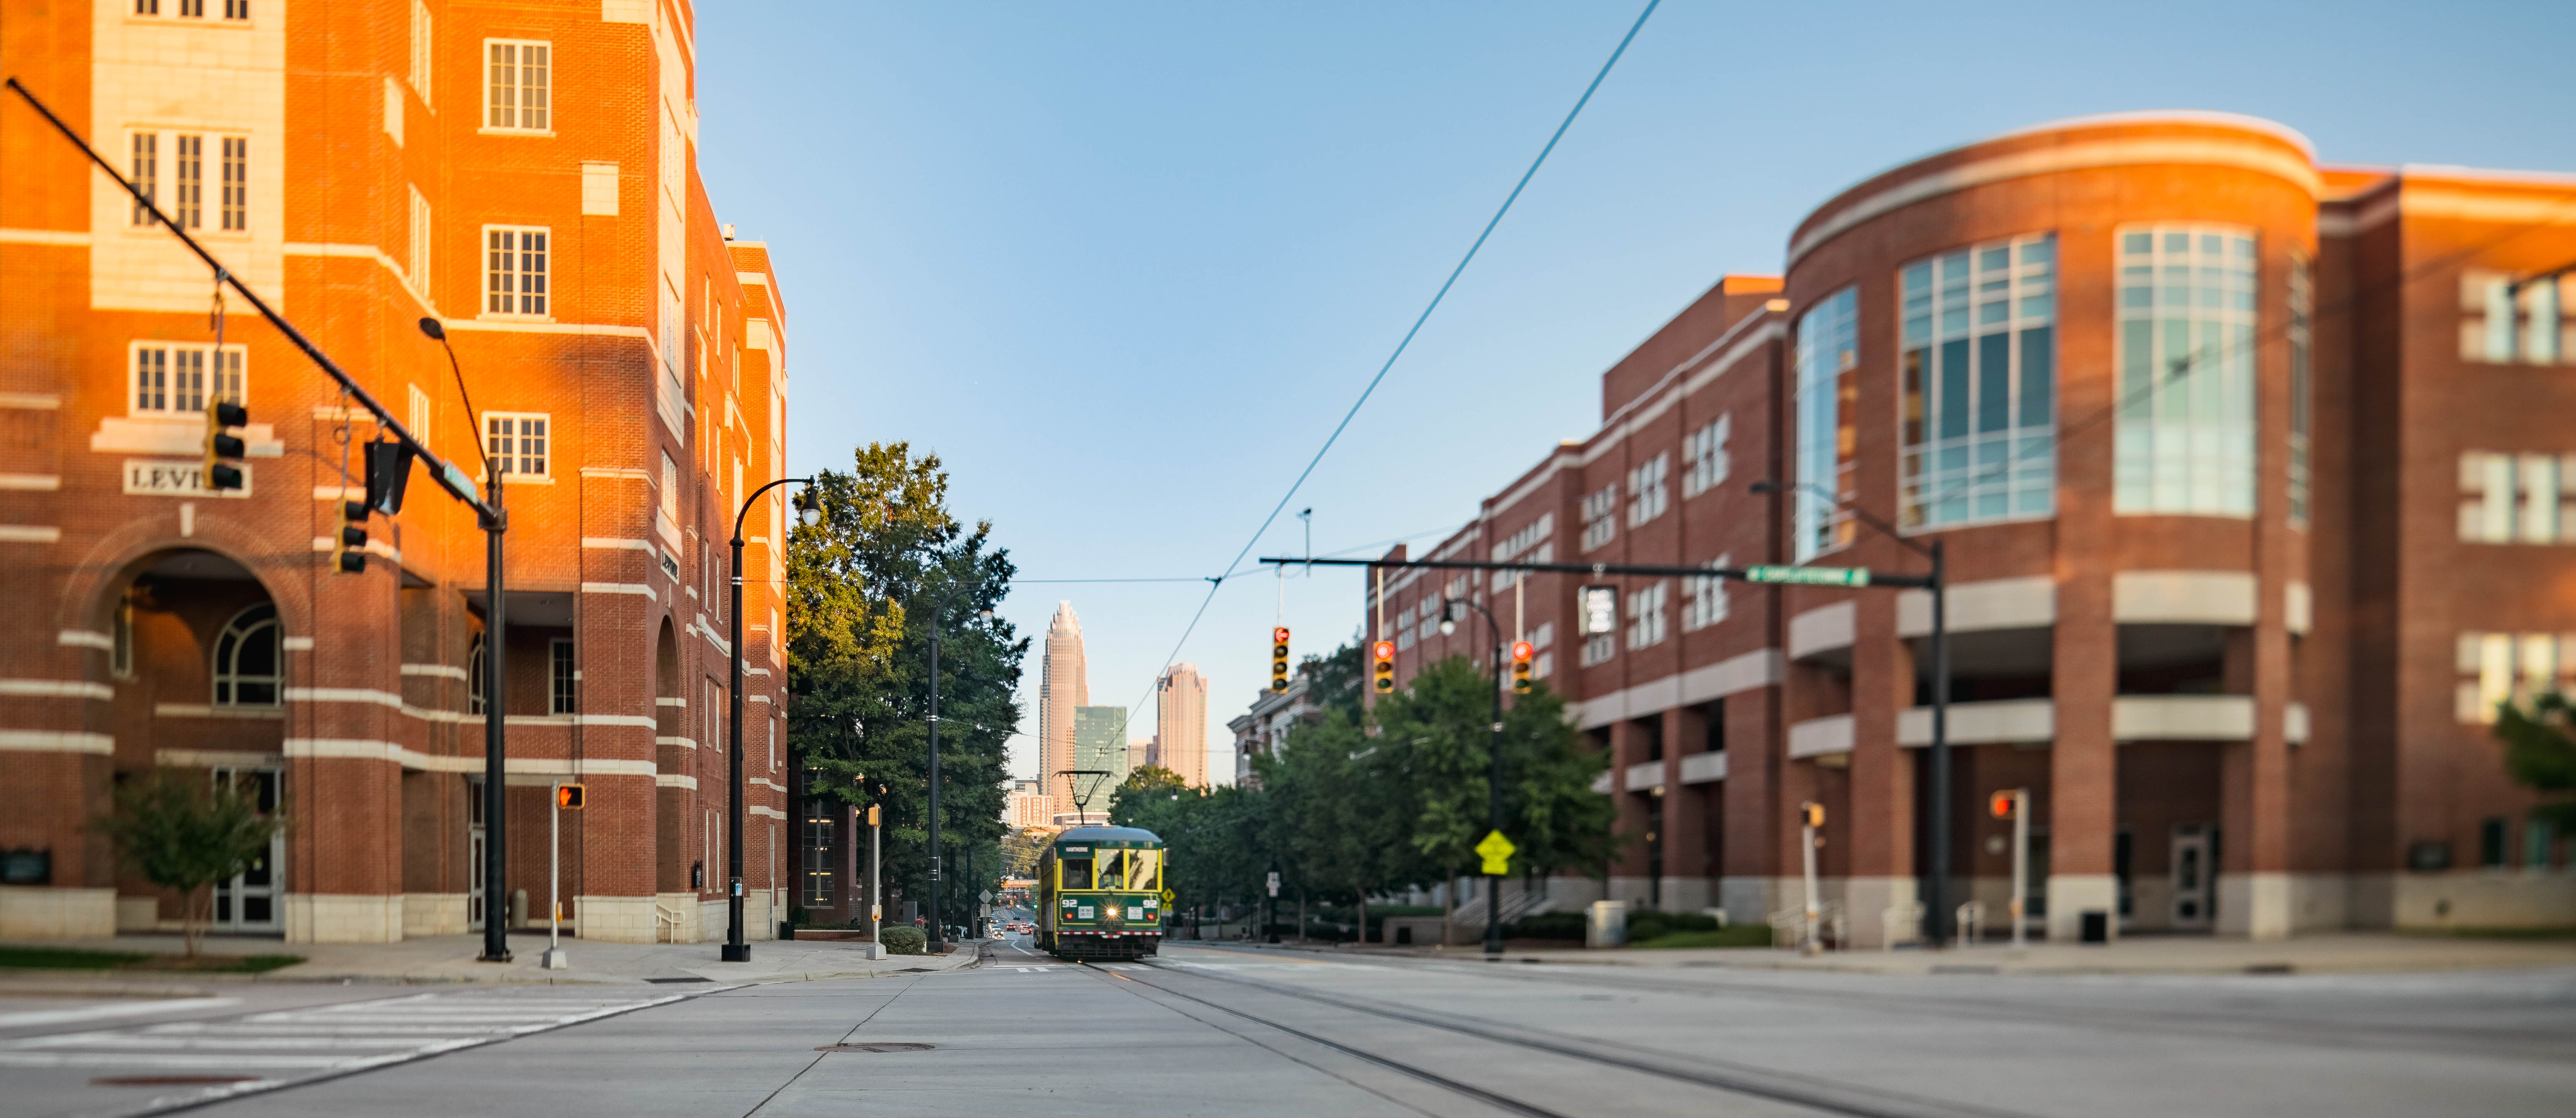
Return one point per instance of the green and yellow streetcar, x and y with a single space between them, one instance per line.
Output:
1100 894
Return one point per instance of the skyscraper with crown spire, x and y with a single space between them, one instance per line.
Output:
1064 685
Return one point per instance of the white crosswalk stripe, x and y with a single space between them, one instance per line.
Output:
280 1047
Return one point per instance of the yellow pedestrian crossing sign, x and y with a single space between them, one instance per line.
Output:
1497 853
1168 897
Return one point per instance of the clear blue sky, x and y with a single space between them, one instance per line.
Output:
1123 266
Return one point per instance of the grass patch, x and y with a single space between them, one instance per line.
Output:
58 958
1733 935
2564 932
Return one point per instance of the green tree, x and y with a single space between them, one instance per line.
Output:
1440 726
867 586
2540 753
182 831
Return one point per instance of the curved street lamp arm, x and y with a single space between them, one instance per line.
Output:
747 502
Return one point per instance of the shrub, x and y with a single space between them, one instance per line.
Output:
1733 935
1547 925
904 941
1648 925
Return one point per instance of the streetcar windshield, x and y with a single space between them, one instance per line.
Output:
1143 868
1077 873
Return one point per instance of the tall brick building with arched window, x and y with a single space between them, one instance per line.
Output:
526 174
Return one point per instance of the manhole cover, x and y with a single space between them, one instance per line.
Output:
878 1047
169 1080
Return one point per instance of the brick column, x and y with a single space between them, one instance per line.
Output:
1877 828
1628 865
1752 811
1685 887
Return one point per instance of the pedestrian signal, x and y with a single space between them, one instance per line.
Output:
1522 651
224 447
349 547
2001 804
1382 654
568 796
1812 814
1279 659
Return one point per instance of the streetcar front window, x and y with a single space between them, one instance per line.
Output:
1077 873
1144 869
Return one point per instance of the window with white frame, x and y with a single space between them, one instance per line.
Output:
248 666
1430 611
2185 358
818 855
474 676
418 265
1543 636
517 442
1646 622
421 54
187 181
560 692
176 379
1647 497
1827 357
421 412
1600 511
517 85
143 169
2502 321
1704 457
2302 386
2517 498
1599 648
514 271
1978 384
2496 668
1704 598
1404 628
236 199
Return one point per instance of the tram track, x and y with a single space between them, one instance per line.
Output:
1803 1091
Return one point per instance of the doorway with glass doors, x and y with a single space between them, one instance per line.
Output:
251 902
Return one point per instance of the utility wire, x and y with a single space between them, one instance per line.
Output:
1218 583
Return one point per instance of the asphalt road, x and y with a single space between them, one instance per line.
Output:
1240 1032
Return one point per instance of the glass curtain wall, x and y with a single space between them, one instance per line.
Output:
1979 377
1828 362
2186 371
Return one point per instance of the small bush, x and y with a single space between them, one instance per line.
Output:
1547 925
1733 935
1648 925
904 941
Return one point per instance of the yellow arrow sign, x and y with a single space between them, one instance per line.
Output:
1497 853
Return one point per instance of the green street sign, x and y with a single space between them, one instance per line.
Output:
1810 576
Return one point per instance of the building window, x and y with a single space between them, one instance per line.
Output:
1647 495
474 676
1828 398
175 380
1704 603
145 172
1979 383
188 176
120 655
236 183
420 235
1704 455
1599 526
419 418
2185 441
420 49
1599 648
559 676
147 7
236 9
2539 841
2491 842
517 442
246 660
518 85
1646 616
818 861
514 271
1533 535
2500 322
192 9
2497 668
2517 498
2302 387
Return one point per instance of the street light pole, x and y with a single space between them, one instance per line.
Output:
937 937
735 950
1494 757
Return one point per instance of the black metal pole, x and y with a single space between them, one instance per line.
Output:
1939 917
1494 792
735 949
496 830
937 940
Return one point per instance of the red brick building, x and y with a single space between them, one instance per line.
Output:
2254 507
525 173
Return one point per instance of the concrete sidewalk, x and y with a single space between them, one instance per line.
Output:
2336 953
451 959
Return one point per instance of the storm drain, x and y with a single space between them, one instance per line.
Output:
881 1046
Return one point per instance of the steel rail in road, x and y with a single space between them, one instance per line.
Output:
1742 1079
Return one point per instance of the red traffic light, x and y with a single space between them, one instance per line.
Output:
1383 650
1523 650
2001 804
1279 635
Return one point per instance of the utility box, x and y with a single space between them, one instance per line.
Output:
2096 926
1608 926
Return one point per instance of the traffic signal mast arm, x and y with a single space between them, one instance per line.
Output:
456 481
1821 576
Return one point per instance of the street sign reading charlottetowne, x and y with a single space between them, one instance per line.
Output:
1809 576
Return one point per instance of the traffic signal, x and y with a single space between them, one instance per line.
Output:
872 815
1279 659
1382 655
2001 804
224 448
568 796
349 548
388 472
1522 651
1812 814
